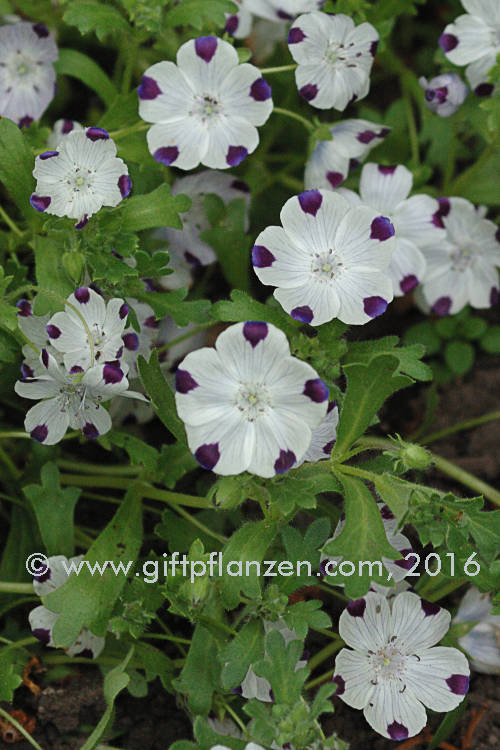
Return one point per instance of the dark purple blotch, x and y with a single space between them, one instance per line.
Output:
45 358
430 608
309 91
39 433
335 178
494 296
296 35
340 682
53 331
67 127
458 683
284 462
447 42
386 170
97 134
131 341
207 455
374 306
42 634
260 90
373 48
255 331
40 30
304 314
184 381
148 88
402 562
484 89
381 229
235 155
25 121
82 294
240 185
90 431
205 47
40 202
123 311
24 308
86 653
166 155
124 185
26 371
397 731
442 306
112 374
316 390
232 24
83 222
262 257
327 449
310 201
408 283
48 155
356 607
387 513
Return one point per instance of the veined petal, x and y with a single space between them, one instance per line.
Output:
280 441
42 622
395 714
247 95
37 388
230 140
164 94
47 421
471 37
312 218
366 623
488 10
353 678
93 420
226 446
417 624
365 239
309 35
313 302
407 267
206 62
181 143
384 187
87 645
415 220
278 261
431 677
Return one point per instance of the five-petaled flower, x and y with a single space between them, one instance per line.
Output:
61 129
205 108
480 642
330 162
444 94
248 405
53 574
473 39
329 260
81 177
334 58
27 75
386 189
393 672
463 268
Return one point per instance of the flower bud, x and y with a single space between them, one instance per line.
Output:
444 94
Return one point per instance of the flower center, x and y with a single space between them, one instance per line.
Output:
253 400
462 259
80 179
207 107
388 663
22 69
325 266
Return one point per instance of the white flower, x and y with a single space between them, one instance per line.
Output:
473 39
81 177
187 251
281 10
328 261
397 569
248 405
444 94
330 162
248 746
462 269
239 25
323 437
61 129
334 58
415 221
258 687
89 331
42 620
71 400
138 344
34 329
205 108
27 75
482 642
393 672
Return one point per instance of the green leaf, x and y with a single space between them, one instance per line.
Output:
199 13
245 649
87 600
156 209
162 398
305 549
424 333
368 386
279 668
200 675
140 453
76 64
490 341
121 112
298 489
395 493
16 165
447 725
50 272
242 308
363 539
90 16
114 682
459 356
174 304
54 510
11 672
479 183
209 739
473 328
409 357
231 245
304 615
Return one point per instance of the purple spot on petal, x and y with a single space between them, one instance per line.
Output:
494 296
42 573
39 433
255 331
26 371
408 283
366 136
356 607
235 155
310 201
25 121
90 431
430 608
83 222
40 202
237 690
405 564
447 42
67 127
151 322
386 170
262 257
335 178
260 90
124 185
397 731
148 89
327 449
42 634
97 134
374 306
353 164
387 513
184 381
75 370
284 15
205 47
309 91
444 206
296 35
340 682
284 462
166 155
45 358
24 308
131 341
53 331
40 30
458 683
240 185
48 155
124 311
82 295
373 48
442 306
207 455
232 24
381 229
316 390
112 374
304 314
484 89
383 132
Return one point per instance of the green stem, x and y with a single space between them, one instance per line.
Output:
278 69
14 434
235 717
412 126
30 641
167 637
294 116
8 587
450 164
18 603
139 126
468 424
131 57
152 493
20 729
319 680
12 469
291 182
201 526
330 649
10 223
86 468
